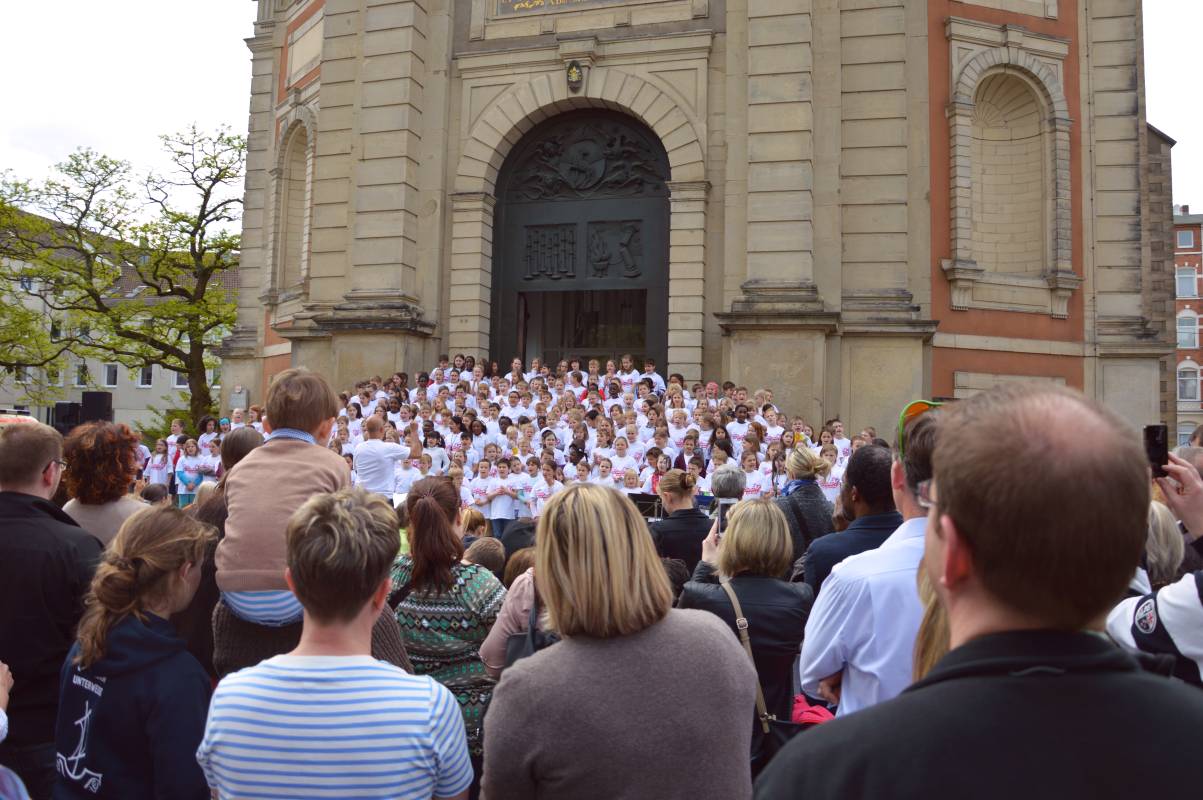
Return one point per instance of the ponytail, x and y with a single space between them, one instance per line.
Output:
137 571
678 483
803 463
434 544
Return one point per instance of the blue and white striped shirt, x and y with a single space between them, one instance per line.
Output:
272 607
333 726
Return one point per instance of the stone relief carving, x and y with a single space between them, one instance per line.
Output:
550 252
615 246
581 161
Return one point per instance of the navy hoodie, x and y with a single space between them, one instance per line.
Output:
129 725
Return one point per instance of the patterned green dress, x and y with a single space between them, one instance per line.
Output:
443 633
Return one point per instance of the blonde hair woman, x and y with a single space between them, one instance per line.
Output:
752 555
132 699
1164 548
931 642
807 510
607 595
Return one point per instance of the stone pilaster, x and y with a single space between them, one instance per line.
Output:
239 350
471 273
780 153
384 202
686 278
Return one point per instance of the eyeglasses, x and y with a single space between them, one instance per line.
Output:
914 409
925 495
58 461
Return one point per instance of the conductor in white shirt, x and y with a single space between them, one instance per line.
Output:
860 637
376 459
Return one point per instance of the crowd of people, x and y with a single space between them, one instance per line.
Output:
584 580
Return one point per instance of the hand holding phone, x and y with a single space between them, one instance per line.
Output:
1157 448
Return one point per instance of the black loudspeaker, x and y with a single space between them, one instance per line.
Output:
97 406
66 417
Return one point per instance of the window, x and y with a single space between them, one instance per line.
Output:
56 330
27 283
22 374
1185 429
82 376
54 377
1188 332
146 376
181 380
1187 282
1188 382
1186 239
110 375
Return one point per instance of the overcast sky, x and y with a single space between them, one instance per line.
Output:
112 76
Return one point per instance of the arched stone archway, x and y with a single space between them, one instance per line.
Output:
495 132
580 242
292 177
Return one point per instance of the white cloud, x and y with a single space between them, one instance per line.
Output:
113 76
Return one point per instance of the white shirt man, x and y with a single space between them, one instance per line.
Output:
376 459
861 632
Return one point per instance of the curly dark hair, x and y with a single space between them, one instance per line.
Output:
102 461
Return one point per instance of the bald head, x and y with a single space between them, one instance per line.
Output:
1050 491
1194 455
373 427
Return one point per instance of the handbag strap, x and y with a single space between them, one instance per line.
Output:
741 624
534 614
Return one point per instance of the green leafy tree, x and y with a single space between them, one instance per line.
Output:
97 262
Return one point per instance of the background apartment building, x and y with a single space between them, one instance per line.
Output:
1188 259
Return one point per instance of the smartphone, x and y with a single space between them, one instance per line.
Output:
1157 448
723 505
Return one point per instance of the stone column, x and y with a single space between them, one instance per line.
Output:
384 218
778 317
469 314
686 284
780 145
241 349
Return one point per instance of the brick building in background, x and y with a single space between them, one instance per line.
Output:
1188 307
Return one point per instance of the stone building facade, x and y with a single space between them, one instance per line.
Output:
856 202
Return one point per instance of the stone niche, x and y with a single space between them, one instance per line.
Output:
1010 129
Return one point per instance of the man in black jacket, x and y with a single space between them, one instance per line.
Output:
868 497
46 565
1027 553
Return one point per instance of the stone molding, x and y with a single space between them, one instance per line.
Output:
243 342
978 50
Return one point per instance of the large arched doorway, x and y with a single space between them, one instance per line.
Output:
580 263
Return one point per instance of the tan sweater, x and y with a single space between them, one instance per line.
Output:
103 521
262 492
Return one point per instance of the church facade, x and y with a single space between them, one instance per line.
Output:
854 202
